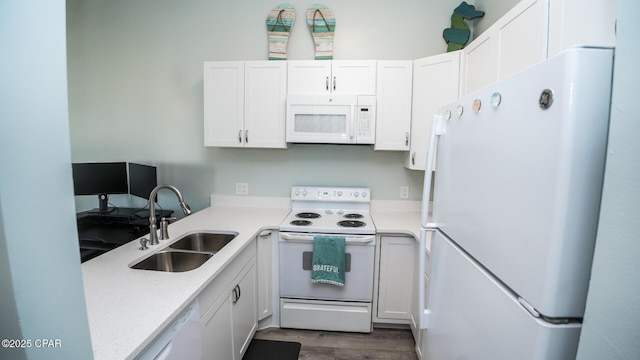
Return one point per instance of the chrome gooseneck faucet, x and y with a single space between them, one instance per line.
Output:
153 228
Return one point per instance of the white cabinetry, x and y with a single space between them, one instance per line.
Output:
266 241
393 117
576 22
229 309
244 103
436 82
350 77
396 269
418 334
516 41
533 31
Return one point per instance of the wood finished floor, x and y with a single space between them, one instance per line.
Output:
381 344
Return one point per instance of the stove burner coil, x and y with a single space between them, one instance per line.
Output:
351 223
353 216
307 215
301 222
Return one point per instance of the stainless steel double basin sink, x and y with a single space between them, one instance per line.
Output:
187 253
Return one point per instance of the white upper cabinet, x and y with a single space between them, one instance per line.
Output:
393 118
579 22
436 82
515 42
265 104
223 103
350 77
533 31
244 103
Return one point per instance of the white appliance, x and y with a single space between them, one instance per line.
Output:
339 211
180 340
331 119
516 200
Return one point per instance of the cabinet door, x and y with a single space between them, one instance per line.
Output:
353 77
522 37
266 242
264 105
396 277
223 103
216 325
480 62
308 77
393 118
435 83
516 41
244 311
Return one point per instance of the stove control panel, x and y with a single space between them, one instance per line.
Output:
314 193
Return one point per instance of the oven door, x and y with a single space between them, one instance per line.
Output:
296 251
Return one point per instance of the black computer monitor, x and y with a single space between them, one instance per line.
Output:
100 179
142 180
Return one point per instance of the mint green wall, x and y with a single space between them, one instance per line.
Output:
41 293
135 90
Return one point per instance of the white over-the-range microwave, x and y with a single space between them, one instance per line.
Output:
331 119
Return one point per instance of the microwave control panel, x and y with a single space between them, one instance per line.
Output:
365 119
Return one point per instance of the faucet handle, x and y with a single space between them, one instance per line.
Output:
143 244
164 229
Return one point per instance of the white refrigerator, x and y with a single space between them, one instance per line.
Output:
516 200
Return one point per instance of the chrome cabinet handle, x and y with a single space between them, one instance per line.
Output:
334 83
265 234
240 136
237 292
246 136
406 139
326 83
413 158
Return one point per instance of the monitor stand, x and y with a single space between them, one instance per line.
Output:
103 201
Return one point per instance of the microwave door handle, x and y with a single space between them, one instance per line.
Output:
352 130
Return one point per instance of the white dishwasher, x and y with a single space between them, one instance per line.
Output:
180 340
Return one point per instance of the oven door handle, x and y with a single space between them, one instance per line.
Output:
309 238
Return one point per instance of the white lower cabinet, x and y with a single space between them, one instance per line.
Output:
217 331
229 309
395 279
266 241
244 312
419 334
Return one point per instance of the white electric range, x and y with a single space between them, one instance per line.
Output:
327 211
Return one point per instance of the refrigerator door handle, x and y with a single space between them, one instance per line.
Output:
437 129
424 314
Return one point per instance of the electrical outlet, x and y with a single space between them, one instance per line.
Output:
242 189
404 192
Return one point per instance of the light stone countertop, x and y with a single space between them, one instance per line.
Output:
128 308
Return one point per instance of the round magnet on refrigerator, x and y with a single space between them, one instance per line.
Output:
477 104
496 98
459 110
